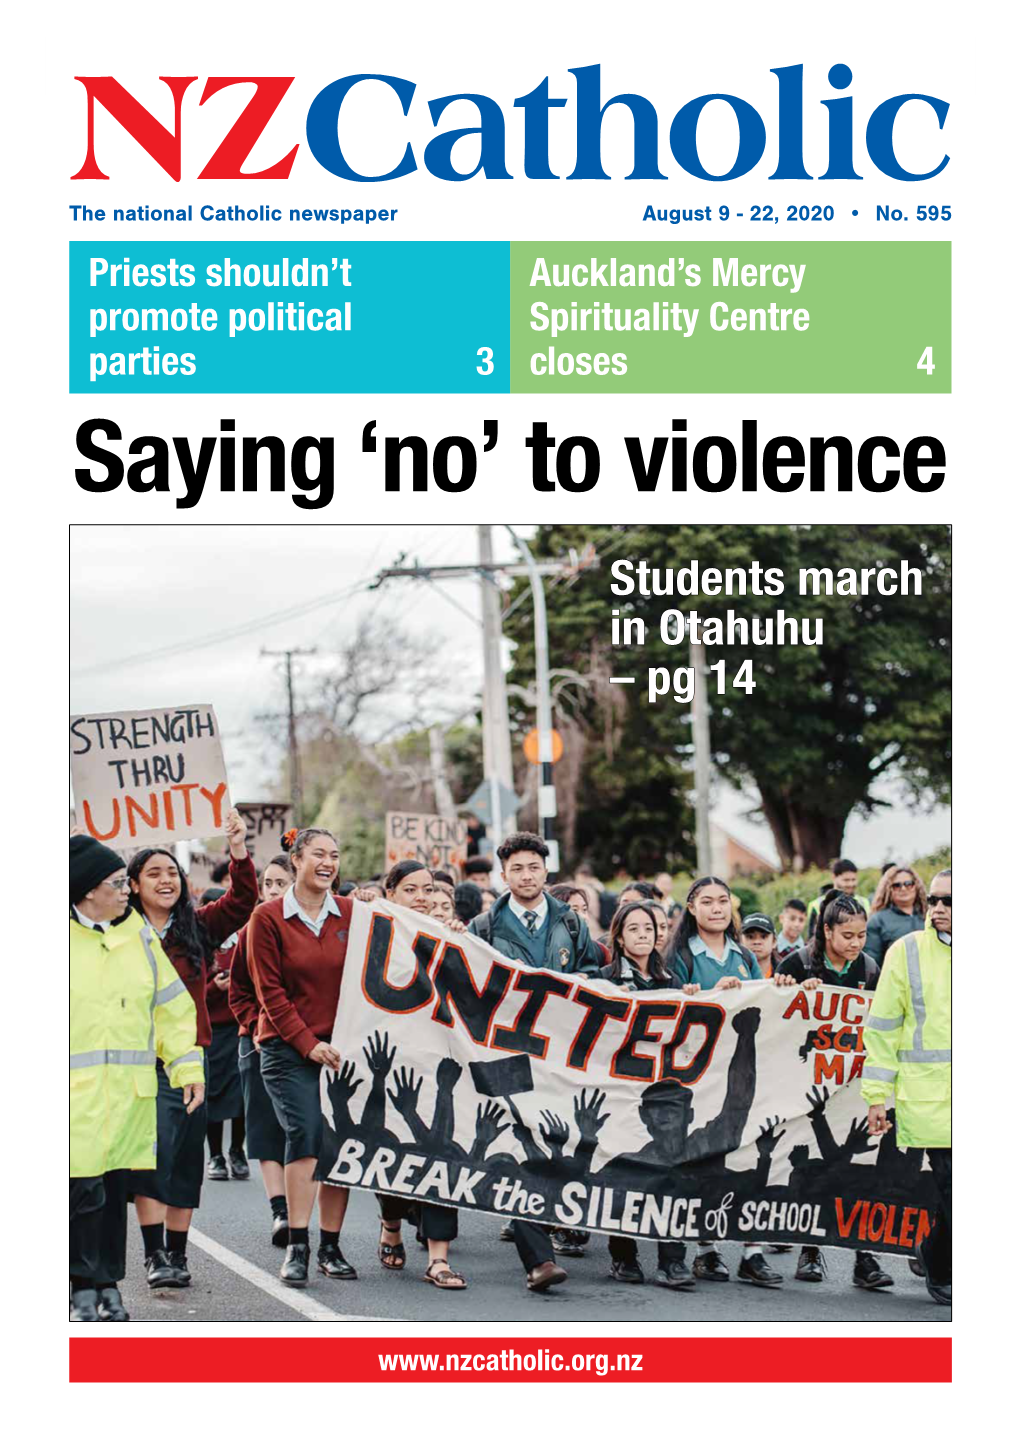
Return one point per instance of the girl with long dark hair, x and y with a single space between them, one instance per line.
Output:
165 1198
411 884
706 955
635 965
836 956
266 1139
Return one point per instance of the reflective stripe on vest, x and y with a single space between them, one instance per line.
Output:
169 992
146 935
884 1023
188 1056
112 1058
916 990
878 1073
925 1056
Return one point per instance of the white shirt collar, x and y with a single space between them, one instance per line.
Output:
292 907
88 923
540 908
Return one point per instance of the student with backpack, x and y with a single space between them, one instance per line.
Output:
533 927
835 956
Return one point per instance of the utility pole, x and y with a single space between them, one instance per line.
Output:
292 746
497 759
546 786
702 760
495 723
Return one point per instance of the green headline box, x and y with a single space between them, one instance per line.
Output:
782 316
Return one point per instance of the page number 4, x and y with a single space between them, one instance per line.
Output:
926 363
487 367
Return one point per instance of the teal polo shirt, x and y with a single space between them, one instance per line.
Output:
708 972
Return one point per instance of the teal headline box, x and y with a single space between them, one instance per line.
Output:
198 317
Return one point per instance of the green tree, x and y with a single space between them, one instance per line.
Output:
823 724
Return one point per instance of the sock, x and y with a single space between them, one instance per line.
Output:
237 1134
152 1238
328 1239
299 1236
214 1132
102 1286
278 1206
176 1241
752 1249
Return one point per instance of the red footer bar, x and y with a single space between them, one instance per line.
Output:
512 1359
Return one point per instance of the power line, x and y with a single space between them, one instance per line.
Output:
233 633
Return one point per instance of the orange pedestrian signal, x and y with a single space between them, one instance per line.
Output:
531 746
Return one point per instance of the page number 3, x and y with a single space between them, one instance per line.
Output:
924 364
486 368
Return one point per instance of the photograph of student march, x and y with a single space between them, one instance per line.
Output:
588 947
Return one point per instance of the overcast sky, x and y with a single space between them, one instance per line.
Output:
137 590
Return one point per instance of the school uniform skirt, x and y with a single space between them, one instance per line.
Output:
293 1087
264 1136
180 1148
224 1099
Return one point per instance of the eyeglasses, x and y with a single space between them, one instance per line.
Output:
934 901
121 884
903 885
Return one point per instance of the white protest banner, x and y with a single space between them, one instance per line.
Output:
436 841
564 1100
142 777
266 821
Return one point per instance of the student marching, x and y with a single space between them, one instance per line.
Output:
202 1044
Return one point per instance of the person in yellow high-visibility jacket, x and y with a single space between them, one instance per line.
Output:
908 1044
128 1006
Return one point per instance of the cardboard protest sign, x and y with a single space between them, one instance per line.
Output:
142 777
266 821
562 1099
436 841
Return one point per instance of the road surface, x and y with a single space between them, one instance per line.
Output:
234 1270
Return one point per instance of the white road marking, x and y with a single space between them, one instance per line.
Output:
291 1297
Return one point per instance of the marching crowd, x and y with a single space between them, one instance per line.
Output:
191 1015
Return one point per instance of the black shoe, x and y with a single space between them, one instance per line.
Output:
941 1292
239 1169
756 1270
810 1265
179 1262
915 1266
627 1272
111 1306
83 1305
676 1275
710 1267
779 1247
333 1263
869 1275
567 1242
506 1232
159 1271
294 1272
216 1171
281 1231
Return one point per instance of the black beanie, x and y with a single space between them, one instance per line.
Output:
91 863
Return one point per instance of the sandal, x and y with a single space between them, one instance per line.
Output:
394 1259
447 1280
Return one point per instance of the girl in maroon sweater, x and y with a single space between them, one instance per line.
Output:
296 950
266 1141
166 1197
